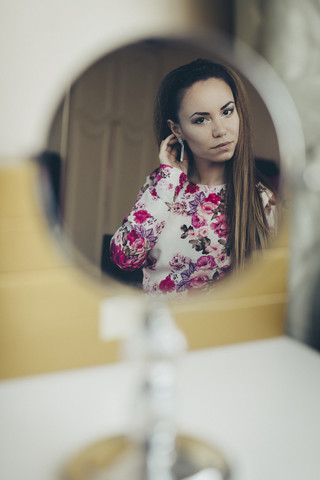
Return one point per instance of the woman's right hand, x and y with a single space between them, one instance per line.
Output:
170 153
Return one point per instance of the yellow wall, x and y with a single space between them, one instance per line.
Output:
49 311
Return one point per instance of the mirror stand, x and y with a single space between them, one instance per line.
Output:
154 450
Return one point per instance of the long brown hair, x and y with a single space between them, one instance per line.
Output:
248 226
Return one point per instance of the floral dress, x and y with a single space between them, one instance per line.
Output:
177 233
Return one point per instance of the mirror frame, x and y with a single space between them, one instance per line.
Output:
286 123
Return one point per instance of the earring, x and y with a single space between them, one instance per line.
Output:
182 149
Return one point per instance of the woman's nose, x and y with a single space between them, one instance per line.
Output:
218 129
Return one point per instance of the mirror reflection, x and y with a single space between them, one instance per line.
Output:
209 198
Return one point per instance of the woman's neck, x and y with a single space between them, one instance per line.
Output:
208 174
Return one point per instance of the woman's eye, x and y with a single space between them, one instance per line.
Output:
200 120
227 112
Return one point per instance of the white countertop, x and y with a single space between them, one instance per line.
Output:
258 402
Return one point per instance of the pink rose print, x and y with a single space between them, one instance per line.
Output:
178 262
182 179
206 262
222 257
180 208
141 216
167 285
204 232
129 263
132 237
213 198
207 208
192 188
220 227
198 279
139 245
126 263
198 221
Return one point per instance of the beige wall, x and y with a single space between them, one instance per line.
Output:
49 312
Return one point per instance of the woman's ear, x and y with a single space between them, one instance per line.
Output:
174 127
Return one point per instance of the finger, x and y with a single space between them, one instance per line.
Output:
169 145
172 139
166 141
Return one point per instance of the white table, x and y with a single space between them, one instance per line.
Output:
259 402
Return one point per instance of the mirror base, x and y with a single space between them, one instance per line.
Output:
119 457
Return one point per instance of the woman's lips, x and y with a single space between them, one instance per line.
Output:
221 145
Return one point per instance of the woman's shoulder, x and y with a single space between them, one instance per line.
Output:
164 170
164 182
165 174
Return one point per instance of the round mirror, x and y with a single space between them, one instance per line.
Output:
102 146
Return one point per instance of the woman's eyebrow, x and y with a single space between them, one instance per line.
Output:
227 104
207 113
199 113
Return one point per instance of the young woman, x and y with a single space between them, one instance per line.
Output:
204 211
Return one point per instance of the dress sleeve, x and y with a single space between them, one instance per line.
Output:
270 207
132 242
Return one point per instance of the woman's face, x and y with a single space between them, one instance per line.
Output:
209 121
